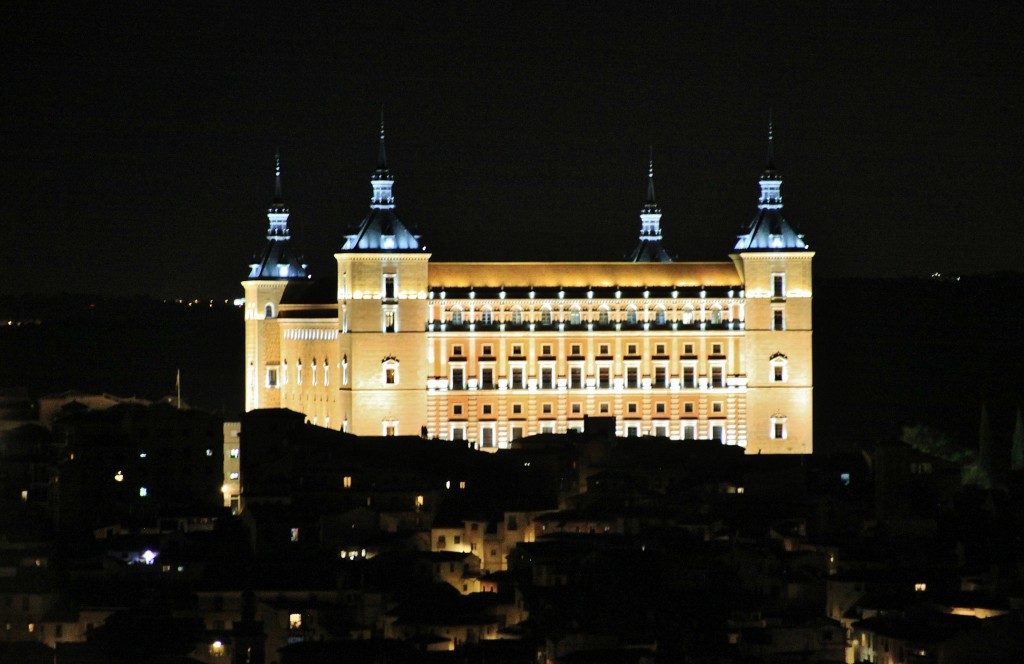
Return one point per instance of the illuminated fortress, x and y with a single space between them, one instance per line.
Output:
399 344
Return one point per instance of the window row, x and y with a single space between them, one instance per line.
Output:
547 408
603 378
576 349
604 314
315 373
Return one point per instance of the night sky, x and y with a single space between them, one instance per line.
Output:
139 140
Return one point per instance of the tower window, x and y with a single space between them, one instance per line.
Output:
390 284
269 311
390 319
778 319
778 285
390 371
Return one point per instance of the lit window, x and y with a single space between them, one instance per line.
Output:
234 453
217 649
604 316
294 621
233 475
716 315
778 427
143 492
778 366
920 587
659 316
631 315
575 315
346 481
389 367
390 427
545 316
517 316
486 317
294 534
456 315
390 319
778 285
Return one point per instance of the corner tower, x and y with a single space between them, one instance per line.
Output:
275 268
649 249
382 313
775 264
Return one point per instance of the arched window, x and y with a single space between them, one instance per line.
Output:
716 315
688 315
327 373
344 370
456 315
631 315
313 372
298 372
604 315
268 311
517 315
486 316
659 315
284 373
575 315
545 315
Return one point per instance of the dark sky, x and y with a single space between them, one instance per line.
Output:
139 140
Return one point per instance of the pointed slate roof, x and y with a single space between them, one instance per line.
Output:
649 249
381 229
769 230
279 260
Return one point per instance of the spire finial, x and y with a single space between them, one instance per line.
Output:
771 140
278 195
382 159
651 200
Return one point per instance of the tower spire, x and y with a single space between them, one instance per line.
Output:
278 260
769 229
651 201
277 213
649 248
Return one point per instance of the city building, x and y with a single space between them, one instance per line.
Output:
397 343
